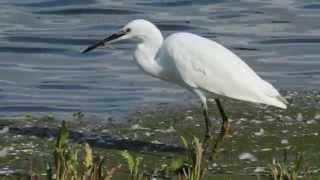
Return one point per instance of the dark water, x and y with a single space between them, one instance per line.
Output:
42 70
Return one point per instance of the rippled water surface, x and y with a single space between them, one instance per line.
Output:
42 70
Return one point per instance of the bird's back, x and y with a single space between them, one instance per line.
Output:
205 64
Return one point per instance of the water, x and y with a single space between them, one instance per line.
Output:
42 70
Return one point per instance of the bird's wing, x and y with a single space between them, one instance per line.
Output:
205 64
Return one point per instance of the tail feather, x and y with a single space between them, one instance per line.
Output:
281 102
274 96
282 99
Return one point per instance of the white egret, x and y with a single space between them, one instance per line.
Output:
197 64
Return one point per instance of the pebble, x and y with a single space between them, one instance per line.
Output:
299 117
259 169
270 119
266 149
284 141
259 133
4 130
138 127
4 152
189 118
148 134
317 116
256 121
285 131
247 156
6 171
311 121
156 142
169 130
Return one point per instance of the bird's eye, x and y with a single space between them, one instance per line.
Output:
127 30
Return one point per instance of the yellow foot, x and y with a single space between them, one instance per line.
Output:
226 128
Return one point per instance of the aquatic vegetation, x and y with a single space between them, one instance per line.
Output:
70 165
135 166
245 154
289 171
192 166
197 166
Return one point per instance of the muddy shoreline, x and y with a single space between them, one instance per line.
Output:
259 134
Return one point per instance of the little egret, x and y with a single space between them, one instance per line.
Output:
197 64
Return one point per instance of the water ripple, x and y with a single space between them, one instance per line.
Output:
63 86
53 3
42 69
167 3
94 11
291 41
50 40
33 50
311 6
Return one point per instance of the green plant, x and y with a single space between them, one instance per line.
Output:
134 165
289 171
190 167
194 166
69 165
78 115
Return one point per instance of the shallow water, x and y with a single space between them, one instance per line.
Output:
42 70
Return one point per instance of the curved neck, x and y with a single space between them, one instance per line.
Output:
146 52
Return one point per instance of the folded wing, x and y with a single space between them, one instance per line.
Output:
205 64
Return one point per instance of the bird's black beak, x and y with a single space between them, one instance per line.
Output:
106 40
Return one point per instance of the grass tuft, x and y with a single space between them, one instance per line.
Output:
289 171
69 165
135 166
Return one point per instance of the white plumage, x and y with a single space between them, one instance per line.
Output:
196 63
206 65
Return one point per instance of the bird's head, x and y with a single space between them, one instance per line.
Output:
138 30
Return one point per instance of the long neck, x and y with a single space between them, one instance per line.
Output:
145 54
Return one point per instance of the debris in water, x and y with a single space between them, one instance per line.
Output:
169 130
189 118
259 169
4 152
156 142
256 121
4 130
138 127
317 116
266 149
105 131
284 141
259 133
285 131
243 119
247 156
148 134
299 117
214 165
311 121
6 171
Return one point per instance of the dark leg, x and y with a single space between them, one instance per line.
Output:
207 121
203 100
225 128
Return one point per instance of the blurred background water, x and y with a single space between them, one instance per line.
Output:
42 70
